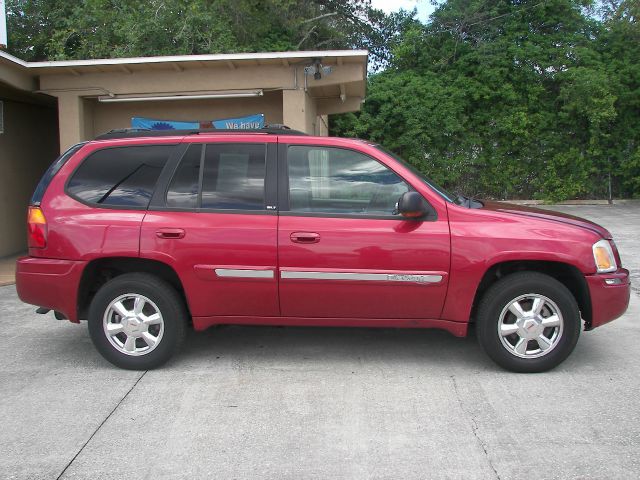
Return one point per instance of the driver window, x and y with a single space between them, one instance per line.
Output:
336 180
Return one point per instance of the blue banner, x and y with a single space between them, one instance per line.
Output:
249 122
151 124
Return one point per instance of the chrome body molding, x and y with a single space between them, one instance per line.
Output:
366 277
243 273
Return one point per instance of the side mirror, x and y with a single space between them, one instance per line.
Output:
412 205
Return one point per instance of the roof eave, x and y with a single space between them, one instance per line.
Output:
226 57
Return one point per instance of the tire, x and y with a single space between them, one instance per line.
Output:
538 333
147 319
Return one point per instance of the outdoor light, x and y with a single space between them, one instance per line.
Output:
200 96
317 69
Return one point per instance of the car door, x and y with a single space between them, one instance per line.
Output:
214 223
343 250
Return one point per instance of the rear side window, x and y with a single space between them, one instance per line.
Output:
120 176
233 177
51 172
225 177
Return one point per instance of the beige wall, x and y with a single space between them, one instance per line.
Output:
299 111
27 147
285 100
102 117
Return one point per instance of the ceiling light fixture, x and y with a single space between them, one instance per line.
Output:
161 98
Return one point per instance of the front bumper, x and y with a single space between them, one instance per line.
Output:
50 283
610 294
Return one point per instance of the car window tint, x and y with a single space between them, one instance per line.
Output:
51 172
335 180
233 176
183 189
120 176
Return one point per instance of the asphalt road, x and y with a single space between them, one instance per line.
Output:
295 403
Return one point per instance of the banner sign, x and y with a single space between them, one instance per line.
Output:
249 122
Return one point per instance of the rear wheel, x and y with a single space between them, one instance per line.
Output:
528 322
137 321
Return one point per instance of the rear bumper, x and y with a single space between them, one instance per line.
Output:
609 296
50 283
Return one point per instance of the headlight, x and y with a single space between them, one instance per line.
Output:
603 256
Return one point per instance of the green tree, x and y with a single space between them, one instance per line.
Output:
53 29
498 98
513 98
619 44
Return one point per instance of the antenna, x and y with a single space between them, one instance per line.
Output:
3 25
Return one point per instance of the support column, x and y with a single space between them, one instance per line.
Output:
71 120
323 125
299 111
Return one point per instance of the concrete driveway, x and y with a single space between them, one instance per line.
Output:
295 403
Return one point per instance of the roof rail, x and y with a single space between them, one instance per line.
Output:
274 129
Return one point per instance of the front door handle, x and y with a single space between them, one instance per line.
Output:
305 237
170 233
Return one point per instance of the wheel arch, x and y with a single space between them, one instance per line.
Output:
99 271
567 274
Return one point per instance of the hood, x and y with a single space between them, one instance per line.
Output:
546 215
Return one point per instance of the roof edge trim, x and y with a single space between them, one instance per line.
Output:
193 58
13 59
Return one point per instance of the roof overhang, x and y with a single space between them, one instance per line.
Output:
15 73
231 60
117 75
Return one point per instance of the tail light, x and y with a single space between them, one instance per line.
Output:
37 228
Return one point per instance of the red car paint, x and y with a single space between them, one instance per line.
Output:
454 251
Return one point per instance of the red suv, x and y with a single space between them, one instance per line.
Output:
146 234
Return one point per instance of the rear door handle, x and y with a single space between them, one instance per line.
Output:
305 237
170 233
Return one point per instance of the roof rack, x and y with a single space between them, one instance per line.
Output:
275 129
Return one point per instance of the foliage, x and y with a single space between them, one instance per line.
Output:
514 98
57 30
498 98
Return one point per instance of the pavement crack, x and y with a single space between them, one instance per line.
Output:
474 427
100 426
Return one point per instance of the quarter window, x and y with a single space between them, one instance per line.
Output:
120 176
340 181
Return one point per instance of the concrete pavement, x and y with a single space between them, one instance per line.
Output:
295 403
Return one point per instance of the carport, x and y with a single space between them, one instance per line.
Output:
298 89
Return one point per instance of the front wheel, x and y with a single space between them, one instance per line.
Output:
528 322
137 321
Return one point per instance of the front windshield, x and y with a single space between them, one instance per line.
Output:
430 183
